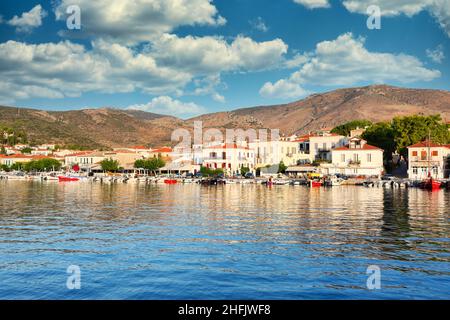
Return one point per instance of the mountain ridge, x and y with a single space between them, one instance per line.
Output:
112 127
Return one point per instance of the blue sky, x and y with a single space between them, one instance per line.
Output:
194 56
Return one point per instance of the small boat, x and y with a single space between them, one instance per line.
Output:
431 184
316 183
67 179
170 181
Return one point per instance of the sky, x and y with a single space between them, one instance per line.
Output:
188 57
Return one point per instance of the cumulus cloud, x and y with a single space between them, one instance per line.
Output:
56 70
169 106
131 22
314 4
164 67
345 61
210 55
283 89
440 9
28 20
437 55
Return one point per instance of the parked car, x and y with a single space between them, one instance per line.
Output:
249 175
388 177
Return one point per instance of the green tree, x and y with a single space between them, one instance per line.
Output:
207 172
413 129
46 164
109 165
17 166
26 150
382 136
3 150
344 129
152 164
245 170
282 167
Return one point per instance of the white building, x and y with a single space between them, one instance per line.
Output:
273 152
356 159
428 157
319 145
229 157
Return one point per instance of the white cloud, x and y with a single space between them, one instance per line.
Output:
345 61
259 24
164 67
437 55
314 4
283 89
210 55
296 61
388 7
169 106
131 22
28 20
56 70
440 9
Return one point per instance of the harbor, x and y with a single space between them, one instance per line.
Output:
246 241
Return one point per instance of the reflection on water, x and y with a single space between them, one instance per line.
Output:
233 241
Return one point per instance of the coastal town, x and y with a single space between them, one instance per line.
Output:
322 157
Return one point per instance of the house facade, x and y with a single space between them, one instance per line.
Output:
318 146
273 152
428 158
229 157
356 159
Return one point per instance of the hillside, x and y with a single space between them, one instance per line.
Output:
327 110
97 128
94 128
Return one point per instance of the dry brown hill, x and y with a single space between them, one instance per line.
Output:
115 127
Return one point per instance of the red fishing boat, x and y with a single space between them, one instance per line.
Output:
170 181
315 183
67 178
431 184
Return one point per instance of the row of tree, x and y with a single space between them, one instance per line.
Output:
41 165
396 135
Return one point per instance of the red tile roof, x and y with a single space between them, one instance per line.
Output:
22 156
364 147
426 144
312 135
163 149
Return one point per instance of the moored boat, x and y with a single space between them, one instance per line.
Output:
316 183
431 184
67 179
170 181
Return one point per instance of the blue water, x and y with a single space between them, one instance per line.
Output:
225 242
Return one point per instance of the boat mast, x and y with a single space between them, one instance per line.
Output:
429 154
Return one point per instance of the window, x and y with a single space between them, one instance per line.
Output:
434 153
414 170
414 153
224 155
355 157
324 146
369 157
423 155
342 157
